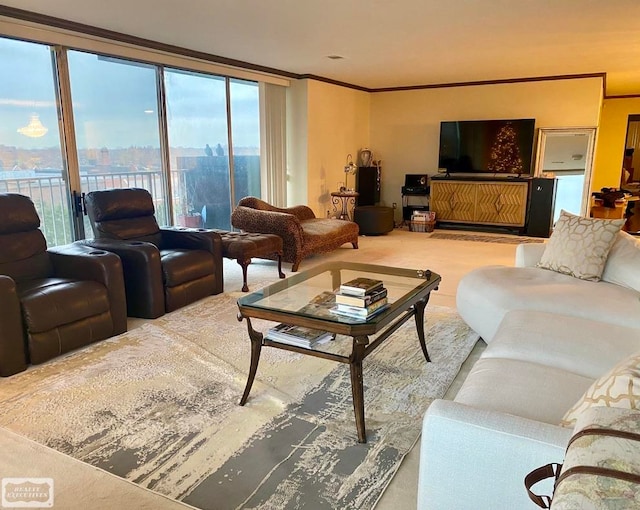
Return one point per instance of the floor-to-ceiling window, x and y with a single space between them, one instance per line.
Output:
76 121
198 148
31 160
115 114
214 144
245 135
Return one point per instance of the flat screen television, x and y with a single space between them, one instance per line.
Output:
487 146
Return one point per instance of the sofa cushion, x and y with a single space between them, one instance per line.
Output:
486 294
522 388
583 346
620 387
52 302
623 262
579 246
325 234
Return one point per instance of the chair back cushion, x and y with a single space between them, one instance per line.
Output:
123 214
23 248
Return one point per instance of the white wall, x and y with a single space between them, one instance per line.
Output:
328 123
405 125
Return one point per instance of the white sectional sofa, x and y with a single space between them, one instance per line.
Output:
549 336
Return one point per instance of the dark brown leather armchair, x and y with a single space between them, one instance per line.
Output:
164 268
51 300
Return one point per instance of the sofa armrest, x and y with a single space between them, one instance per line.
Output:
142 275
472 458
81 262
302 212
285 225
529 254
13 354
192 239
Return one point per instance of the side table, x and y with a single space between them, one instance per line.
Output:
344 199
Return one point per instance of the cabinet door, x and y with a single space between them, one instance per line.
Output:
501 203
453 201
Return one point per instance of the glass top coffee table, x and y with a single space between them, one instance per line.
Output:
304 299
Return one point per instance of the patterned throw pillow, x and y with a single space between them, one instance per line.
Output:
620 387
623 262
579 246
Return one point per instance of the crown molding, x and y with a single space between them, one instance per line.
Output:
81 28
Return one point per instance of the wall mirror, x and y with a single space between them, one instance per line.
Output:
567 154
631 161
630 180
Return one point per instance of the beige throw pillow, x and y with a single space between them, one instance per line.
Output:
623 262
579 246
620 387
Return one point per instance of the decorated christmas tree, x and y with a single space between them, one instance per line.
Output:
505 153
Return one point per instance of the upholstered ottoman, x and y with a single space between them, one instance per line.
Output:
373 220
243 246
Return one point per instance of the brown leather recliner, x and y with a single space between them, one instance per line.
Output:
51 300
164 268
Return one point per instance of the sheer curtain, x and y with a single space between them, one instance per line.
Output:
273 156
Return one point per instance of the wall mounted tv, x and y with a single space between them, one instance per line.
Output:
487 146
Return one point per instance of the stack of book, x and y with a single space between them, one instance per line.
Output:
361 298
298 335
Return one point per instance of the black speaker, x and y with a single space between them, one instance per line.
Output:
542 201
368 185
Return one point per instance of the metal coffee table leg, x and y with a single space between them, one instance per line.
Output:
256 347
419 317
357 389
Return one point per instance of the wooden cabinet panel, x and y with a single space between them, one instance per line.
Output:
490 203
453 201
501 203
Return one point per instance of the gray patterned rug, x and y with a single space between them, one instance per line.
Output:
485 238
158 406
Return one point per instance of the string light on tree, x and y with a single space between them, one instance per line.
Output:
505 153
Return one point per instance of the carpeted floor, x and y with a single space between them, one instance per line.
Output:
158 406
485 238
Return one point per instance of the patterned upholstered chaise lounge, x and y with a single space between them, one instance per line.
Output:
302 233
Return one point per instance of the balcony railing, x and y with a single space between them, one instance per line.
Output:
51 196
199 185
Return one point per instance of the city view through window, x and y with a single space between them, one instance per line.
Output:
118 132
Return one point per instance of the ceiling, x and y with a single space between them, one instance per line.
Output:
388 44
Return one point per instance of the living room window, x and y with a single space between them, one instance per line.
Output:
115 116
214 145
192 138
31 159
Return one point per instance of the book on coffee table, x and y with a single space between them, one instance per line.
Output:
319 306
357 315
357 311
298 335
361 286
361 301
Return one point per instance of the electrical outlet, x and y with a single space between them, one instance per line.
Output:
395 206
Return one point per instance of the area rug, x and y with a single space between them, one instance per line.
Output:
158 406
484 238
